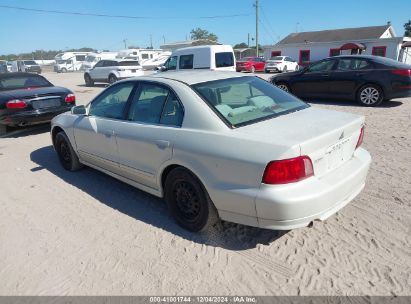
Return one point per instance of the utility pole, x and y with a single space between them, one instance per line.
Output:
125 43
248 40
151 41
256 28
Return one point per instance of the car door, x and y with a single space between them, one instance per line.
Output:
95 133
314 81
107 68
96 71
349 72
145 140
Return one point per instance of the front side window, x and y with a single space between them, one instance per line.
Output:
100 64
111 103
186 62
321 66
224 59
244 100
171 63
155 104
80 57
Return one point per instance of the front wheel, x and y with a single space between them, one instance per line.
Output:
285 69
188 201
64 70
3 130
252 69
68 158
112 79
370 95
89 82
283 86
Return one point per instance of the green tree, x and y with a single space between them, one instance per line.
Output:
241 45
199 33
407 28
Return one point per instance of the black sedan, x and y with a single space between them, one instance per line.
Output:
27 99
367 79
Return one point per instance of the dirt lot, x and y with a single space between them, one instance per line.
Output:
85 233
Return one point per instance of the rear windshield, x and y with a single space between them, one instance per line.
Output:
277 58
245 100
23 82
128 63
30 62
390 62
224 59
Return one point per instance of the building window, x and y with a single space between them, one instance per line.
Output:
304 57
275 53
379 51
334 52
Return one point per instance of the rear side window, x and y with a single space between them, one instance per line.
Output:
186 62
224 59
353 64
128 63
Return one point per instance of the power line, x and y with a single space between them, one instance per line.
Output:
116 16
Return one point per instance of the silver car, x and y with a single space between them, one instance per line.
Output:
219 145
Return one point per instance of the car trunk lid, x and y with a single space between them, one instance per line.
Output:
329 138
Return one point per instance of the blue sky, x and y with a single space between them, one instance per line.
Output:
24 31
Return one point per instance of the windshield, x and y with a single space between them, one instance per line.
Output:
23 82
30 62
245 100
90 58
61 61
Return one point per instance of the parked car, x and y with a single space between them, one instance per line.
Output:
109 71
9 66
368 79
28 99
204 57
219 144
250 64
280 64
3 66
29 66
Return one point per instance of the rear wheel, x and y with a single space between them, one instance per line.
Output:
188 201
370 95
283 86
89 82
252 69
285 69
266 71
112 78
67 156
64 70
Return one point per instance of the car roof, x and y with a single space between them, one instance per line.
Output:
194 77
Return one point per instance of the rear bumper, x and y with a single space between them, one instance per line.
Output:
31 117
243 68
272 68
398 93
291 206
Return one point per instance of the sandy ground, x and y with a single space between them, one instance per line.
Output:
85 233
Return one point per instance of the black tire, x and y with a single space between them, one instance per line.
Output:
283 86
252 70
68 158
370 95
285 69
266 71
87 79
64 70
188 201
112 79
3 130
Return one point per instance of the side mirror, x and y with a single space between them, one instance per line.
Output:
79 110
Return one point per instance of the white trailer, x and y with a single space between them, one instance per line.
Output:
93 58
69 61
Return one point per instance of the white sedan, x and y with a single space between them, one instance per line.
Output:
280 64
219 145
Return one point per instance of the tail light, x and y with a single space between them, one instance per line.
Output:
70 98
288 170
16 104
121 70
360 138
406 73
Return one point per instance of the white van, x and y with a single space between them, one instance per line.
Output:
69 61
93 58
204 57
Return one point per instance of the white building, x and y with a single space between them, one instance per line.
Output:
306 47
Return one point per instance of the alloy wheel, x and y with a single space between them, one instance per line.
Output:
369 96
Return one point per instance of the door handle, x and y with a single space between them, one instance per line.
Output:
162 144
325 75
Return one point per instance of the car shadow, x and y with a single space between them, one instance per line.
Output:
148 208
16 132
351 103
